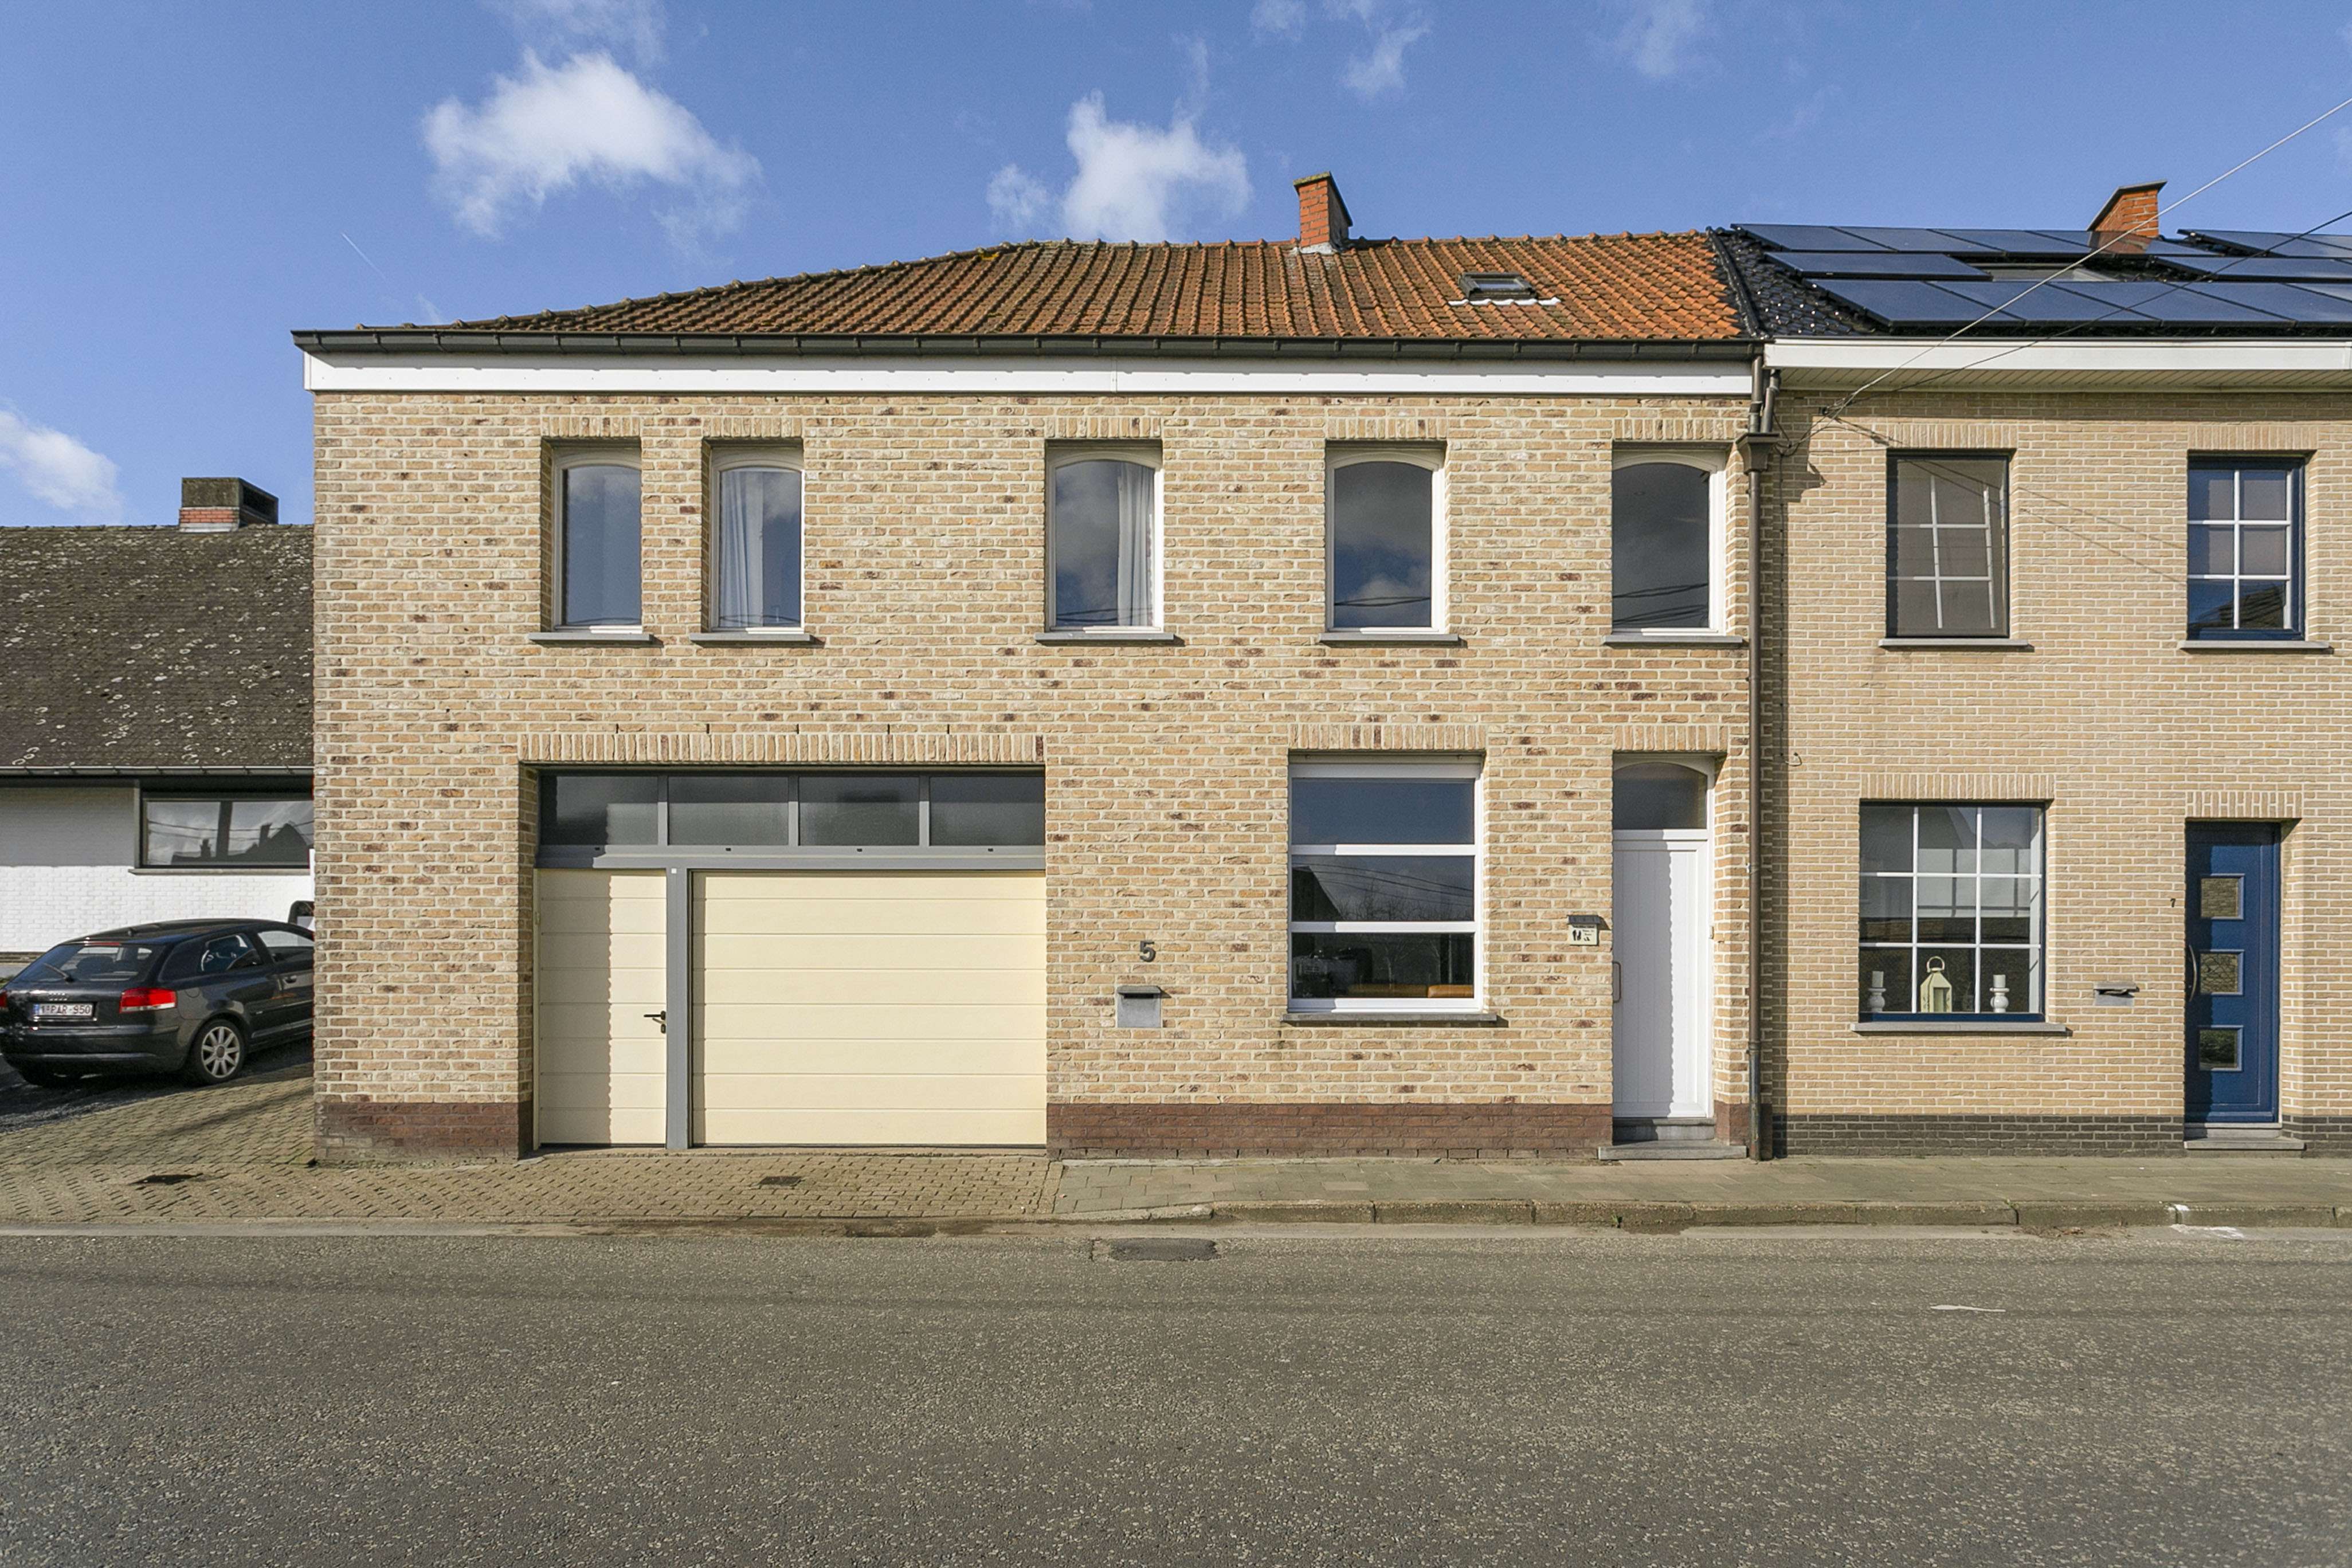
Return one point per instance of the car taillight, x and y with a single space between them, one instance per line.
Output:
146 999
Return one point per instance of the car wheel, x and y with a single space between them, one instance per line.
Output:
45 1077
219 1054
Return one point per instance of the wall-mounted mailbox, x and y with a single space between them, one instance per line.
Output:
2115 993
1138 1006
1584 931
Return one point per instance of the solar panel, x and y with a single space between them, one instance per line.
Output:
1905 304
1874 264
2014 242
2271 268
2280 244
2284 300
1806 237
1928 239
2020 302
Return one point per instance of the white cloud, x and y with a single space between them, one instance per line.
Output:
1659 36
1016 199
1134 182
59 471
547 130
1278 18
568 26
1379 70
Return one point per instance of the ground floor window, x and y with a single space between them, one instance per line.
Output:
1384 886
1951 910
778 811
182 831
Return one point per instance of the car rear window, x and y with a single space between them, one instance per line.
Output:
90 963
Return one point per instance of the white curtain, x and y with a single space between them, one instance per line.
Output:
1135 488
741 515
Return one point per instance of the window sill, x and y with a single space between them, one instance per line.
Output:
1948 1027
1389 638
218 871
628 634
787 638
2252 645
1965 644
1121 633
1673 639
1392 1018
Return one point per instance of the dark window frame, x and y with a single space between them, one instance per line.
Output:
663 843
2296 464
2003 579
147 794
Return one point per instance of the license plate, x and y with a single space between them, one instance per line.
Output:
65 1009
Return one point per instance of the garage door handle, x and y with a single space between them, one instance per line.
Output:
662 1018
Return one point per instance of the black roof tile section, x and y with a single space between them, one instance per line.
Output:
1784 306
154 650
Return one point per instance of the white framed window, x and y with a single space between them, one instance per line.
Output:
599 539
1384 538
756 540
1102 537
1666 543
1385 886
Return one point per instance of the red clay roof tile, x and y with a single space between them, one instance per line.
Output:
1607 287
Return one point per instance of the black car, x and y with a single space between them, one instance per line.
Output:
196 998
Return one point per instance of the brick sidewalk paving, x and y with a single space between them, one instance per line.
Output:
242 1152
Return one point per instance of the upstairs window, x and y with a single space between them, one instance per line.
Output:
756 548
1102 538
597 541
1947 546
1384 539
1664 538
1496 288
2245 548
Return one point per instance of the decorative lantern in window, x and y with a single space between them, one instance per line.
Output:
1935 990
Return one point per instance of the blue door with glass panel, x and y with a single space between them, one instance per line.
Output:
2233 968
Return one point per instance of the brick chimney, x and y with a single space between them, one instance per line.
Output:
220 506
1322 216
2130 212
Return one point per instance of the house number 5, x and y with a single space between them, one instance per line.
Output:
1146 950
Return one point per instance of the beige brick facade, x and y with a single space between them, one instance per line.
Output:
1166 764
2125 735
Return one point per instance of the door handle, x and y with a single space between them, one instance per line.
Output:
2194 982
1616 981
661 1019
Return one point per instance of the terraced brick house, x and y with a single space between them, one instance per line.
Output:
155 721
2056 805
1276 696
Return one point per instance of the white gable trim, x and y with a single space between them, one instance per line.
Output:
333 372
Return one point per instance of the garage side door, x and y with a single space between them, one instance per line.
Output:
903 1007
601 971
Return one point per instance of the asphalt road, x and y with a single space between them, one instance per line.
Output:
1562 1398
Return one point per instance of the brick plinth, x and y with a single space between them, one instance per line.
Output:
2328 1135
1192 1131
362 1131
1933 1135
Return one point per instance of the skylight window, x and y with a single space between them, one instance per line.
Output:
1498 289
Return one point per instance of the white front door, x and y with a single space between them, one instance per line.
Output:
1660 1029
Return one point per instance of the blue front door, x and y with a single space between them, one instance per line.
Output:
2233 972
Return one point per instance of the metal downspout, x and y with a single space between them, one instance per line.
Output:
1756 448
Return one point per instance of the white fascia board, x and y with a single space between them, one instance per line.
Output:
691 374
2133 357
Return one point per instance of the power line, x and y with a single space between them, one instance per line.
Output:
1848 401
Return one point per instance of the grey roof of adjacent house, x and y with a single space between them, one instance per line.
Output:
1815 280
130 650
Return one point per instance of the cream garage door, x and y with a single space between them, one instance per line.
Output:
892 1007
601 968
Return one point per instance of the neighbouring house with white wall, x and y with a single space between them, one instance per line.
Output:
155 720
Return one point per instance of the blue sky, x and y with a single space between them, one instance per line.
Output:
185 183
